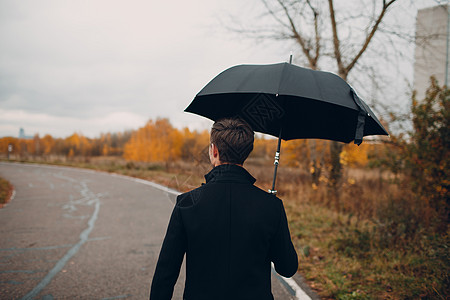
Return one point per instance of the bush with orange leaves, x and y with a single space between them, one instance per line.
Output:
159 141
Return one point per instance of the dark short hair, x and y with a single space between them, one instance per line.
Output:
233 138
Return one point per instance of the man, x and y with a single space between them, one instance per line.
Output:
229 229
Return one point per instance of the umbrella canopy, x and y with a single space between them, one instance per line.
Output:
288 101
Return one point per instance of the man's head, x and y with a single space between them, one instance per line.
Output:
233 139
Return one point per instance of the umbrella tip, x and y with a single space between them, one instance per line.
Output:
290 57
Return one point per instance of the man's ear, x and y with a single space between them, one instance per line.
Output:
215 151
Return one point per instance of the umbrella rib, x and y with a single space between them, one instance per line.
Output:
280 82
318 86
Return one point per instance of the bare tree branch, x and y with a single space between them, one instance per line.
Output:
300 39
369 36
316 33
274 15
336 42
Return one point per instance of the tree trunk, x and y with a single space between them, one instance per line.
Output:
335 177
316 163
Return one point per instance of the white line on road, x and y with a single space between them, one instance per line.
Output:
84 237
299 293
150 183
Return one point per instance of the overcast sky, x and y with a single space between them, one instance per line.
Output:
106 66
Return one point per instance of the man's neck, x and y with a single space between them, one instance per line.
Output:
220 163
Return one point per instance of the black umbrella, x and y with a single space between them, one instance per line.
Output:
289 102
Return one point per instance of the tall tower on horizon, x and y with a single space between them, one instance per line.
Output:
21 133
431 57
23 136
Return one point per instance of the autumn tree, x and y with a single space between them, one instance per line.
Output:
357 156
195 145
422 156
110 144
157 141
47 144
6 141
78 144
428 152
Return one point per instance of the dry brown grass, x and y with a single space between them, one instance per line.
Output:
5 191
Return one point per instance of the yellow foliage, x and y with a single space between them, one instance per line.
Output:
295 152
71 153
156 141
194 144
356 156
79 144
105 150
4 142
300 152
47 144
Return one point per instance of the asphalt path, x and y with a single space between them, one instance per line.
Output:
74 233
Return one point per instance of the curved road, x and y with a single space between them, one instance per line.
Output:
74 233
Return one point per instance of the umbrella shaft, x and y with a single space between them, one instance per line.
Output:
276 162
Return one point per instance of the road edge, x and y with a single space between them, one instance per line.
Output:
11 194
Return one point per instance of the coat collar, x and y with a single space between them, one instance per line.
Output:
229 172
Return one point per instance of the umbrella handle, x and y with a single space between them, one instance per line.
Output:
277 159
276 162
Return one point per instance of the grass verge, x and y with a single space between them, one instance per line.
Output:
5 191
342 258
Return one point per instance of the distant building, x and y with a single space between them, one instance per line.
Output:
431 57
23 136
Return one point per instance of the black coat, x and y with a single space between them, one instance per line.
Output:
231 231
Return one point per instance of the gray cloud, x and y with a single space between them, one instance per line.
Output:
67 64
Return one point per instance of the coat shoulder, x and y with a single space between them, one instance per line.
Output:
190 198
268 196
